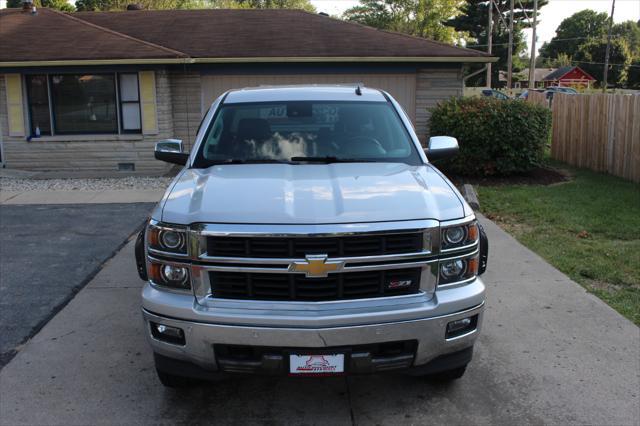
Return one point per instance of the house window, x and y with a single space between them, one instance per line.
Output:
129 103
38 93
84 103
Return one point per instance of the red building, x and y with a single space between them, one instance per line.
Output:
569 76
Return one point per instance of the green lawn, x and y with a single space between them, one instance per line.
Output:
589 228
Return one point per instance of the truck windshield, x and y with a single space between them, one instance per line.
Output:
307 131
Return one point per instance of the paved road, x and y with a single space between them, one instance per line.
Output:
549 353
47 253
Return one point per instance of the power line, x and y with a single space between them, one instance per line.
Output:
596 63
554 40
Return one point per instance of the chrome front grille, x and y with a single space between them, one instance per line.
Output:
312 263
297 287
351 246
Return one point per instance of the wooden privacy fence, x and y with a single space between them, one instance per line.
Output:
538 98
600 132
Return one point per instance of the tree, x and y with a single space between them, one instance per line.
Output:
102 5
422 18
590 57
630 32
473 20
563 60
98 5
62 5
276 4
574 31
633 76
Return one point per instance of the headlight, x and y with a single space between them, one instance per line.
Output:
459 235
458 269
171 239
170 275
454 235
167 238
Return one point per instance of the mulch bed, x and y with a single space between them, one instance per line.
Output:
539 176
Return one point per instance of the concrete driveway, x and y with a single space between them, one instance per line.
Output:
549 353
49 252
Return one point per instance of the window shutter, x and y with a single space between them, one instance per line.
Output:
148 102
15 110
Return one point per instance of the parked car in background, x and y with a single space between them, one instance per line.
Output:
491 93
525 94
569 90
310 234
556 89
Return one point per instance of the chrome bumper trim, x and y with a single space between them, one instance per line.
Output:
287 261
200 337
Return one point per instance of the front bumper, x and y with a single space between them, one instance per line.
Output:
344 325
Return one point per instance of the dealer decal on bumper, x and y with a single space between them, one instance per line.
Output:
316 364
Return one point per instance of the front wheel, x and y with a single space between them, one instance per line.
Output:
173 381
447 375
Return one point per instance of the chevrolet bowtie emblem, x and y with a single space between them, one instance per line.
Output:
316 266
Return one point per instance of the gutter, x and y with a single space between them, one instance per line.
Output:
275 59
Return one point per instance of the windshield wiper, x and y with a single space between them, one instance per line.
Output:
330 159
246 161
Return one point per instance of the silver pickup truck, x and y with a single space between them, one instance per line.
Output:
309 234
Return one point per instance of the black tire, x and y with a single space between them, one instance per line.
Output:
447 375
173 381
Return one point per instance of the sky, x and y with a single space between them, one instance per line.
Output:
550 15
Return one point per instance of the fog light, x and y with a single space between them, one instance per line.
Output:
167 333
462 326
453 268
175 276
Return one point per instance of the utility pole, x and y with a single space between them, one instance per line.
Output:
489 40
532 63
606 55
510 53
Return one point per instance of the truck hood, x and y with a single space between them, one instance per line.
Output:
310 194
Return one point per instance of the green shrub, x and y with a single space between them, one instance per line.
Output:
496 137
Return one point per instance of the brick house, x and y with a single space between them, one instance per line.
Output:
96 90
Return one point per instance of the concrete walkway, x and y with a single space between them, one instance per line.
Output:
549 353
80 197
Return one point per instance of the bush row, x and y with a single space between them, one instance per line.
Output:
496 137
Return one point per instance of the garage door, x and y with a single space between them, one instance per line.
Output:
401 86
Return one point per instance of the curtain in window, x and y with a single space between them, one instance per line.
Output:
129 102
39 104
84 103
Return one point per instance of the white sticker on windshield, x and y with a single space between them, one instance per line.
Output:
276 111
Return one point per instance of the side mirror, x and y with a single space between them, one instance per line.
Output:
441 147
170 151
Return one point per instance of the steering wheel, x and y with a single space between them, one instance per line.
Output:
365 146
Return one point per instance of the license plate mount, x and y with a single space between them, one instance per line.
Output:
327 364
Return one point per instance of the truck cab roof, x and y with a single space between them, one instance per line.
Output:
311 92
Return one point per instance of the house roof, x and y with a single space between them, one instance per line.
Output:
51 35
562 71
539 73
210 35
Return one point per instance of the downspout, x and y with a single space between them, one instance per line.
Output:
465 78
